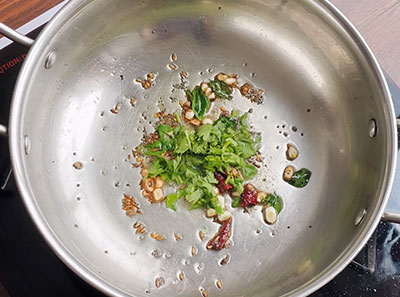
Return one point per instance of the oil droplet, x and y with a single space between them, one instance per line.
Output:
294 128
156 253
186 261
27 144
198 267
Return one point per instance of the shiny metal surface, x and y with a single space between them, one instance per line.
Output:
14 35
3 130
319 77
391 217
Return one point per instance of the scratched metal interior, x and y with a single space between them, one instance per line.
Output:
315 79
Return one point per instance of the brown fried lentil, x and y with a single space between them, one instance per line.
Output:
193 251
225 260
201 235
156 236
177 236
172 66
181 276
173 57
78 165
139 227
159 282
130 205
116 108
218 283
203 292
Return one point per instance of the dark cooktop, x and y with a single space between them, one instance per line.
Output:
29 268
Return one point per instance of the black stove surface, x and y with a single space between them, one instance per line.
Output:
28 267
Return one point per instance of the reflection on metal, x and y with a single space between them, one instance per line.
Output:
370 264
372 128
3 130
4 179
360 217
15 36
50 59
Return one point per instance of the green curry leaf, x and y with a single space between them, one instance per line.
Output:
300 178
275 201
221 89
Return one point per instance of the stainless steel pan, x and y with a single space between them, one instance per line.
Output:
319 76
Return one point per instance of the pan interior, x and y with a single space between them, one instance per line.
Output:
320 96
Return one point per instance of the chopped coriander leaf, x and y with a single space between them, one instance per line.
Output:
172 198
190 157
248 171
236 203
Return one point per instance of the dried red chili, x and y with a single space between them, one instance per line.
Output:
221 237
222 185
249 196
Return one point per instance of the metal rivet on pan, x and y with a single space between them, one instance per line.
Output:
50 59
27 144
360 217
372 128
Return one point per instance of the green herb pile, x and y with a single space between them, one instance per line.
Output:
189 158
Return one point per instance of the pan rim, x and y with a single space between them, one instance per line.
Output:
16 149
